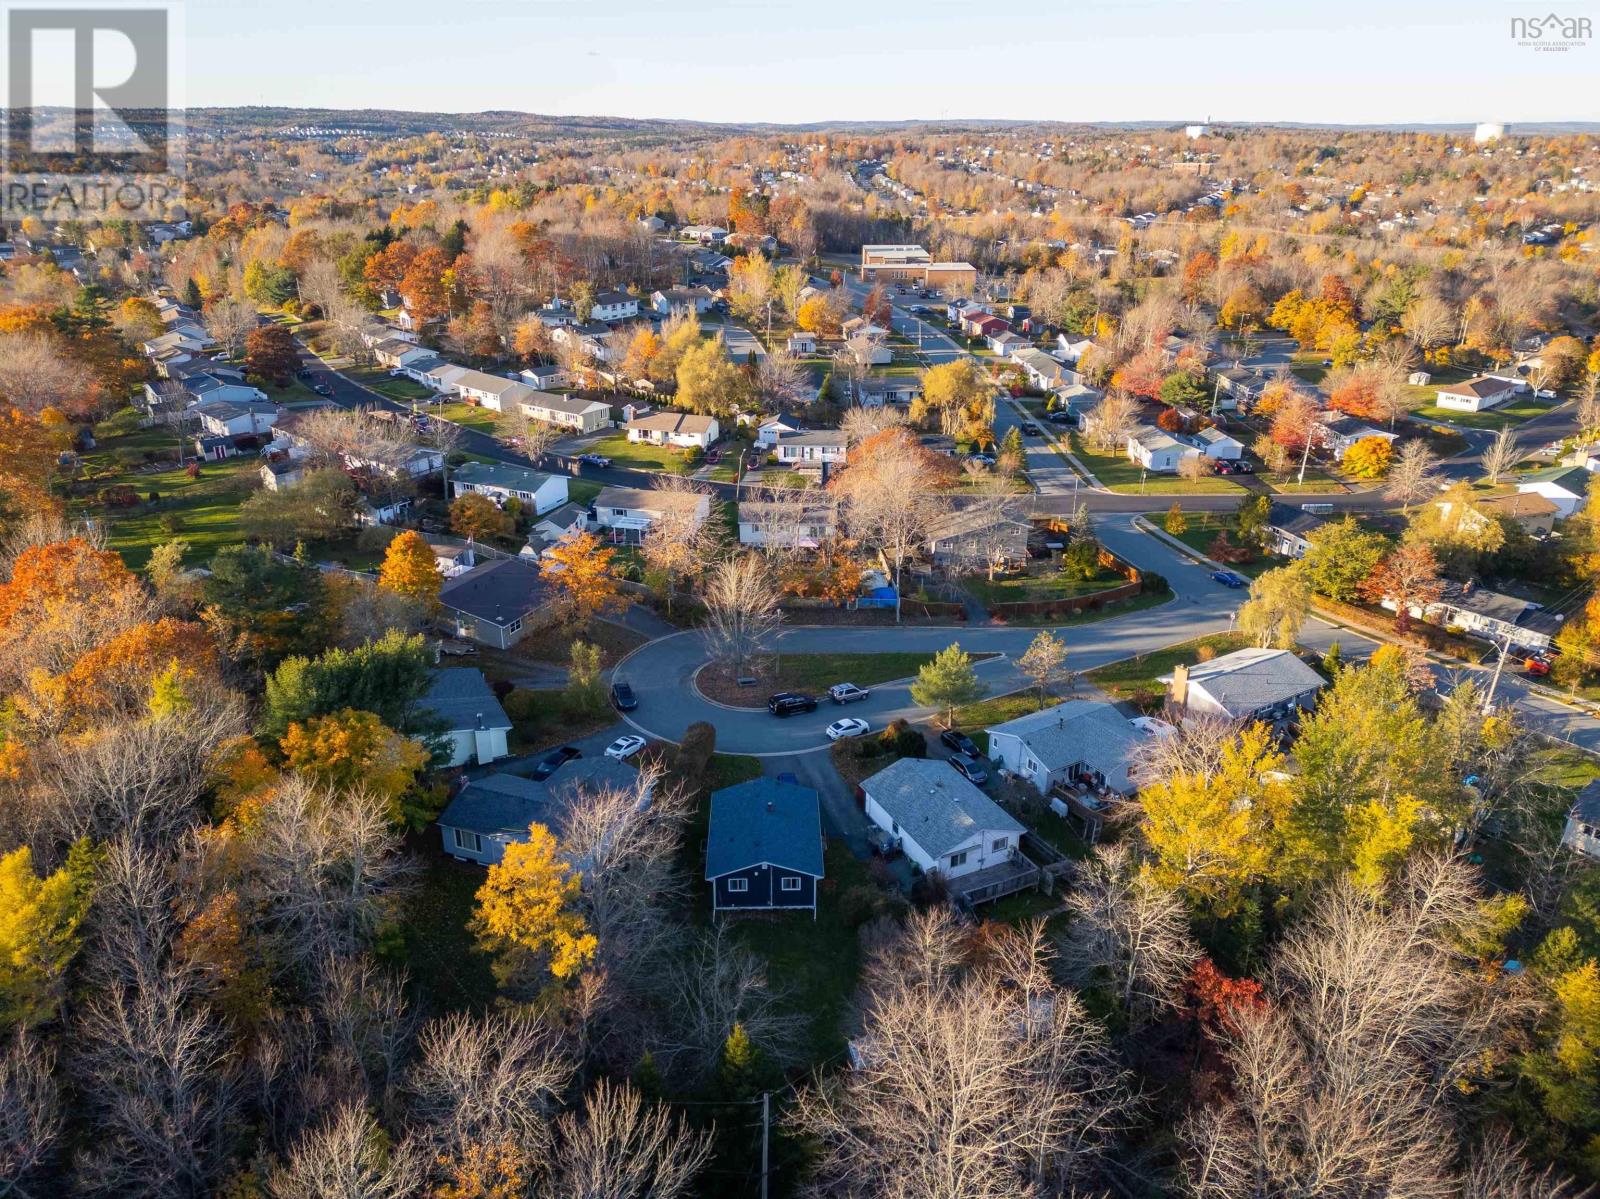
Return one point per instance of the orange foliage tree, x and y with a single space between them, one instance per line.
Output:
583 576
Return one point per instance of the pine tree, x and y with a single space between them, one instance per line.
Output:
1332 661
741 1061
948 682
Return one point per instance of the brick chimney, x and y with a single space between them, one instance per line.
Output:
1180 686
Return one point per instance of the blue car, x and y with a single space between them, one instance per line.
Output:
1228 579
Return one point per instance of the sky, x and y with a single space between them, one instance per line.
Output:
1352 62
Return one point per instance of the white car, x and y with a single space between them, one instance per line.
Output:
625 747
848 727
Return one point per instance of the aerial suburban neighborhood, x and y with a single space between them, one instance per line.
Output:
987 639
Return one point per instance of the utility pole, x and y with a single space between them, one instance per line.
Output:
766 1127
1488 700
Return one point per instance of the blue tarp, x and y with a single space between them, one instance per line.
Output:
878 597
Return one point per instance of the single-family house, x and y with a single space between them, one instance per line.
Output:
1335 434
957 311
1043 371
1071 349
452 559
764 847
770 430
706 235
1582 831
1239 387
537 491
555 528
673 300
592 338
813 447
497 603
612 306
1006 343
1563 486
1289 530
686 429
870 350
942 822
569 412
543 378
801 523
1503 619
802 343
977 535
874 391
625 514
420 370
982 324
760 243
496 810
1081 742
1157 450
394 353
236 418
443 378
494 392
1248 684
467 714
1476 394
1533 514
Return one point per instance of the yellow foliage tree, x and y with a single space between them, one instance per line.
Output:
582 575
1369 458
1216 835
39 920
409 569
527 905
351 748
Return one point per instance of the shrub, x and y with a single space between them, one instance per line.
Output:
192 470
521 704
903 740
1153 584
1205 653
695 751
502 688
171 523
859 904
153 498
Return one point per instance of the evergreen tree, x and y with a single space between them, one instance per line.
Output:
948 682
1175 522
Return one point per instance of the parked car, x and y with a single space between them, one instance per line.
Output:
554 761
1032 430
1241 467
322 389
981 459
594 460
971 768
1537 666
1061 417
1229 579
713 457
847 693
457 649
625 747
787 703
623 698
957 740
850 726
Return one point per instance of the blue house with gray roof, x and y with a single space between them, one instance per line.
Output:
491 812
764 847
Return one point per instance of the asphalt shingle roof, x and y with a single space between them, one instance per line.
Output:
508 803
1248 680
764 820
934 806
1079 730
460 696
500 591
497 474
1586 807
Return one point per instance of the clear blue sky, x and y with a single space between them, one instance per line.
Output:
1357 61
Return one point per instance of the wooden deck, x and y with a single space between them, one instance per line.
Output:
996 882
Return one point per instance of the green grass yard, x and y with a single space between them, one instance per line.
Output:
1514 413
378 379
1121 474
639 455
1050 585
1201 530
469 416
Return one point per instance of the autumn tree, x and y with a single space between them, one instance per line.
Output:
39 919
350 748
581 574
1407 578
528 911
479 518
1341 556
1280 601
708 381
411 569
270 352
1368 458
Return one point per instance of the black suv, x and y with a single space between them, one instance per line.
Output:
554 761
960 742
786 703
623 697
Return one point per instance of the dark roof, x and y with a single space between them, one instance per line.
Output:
509 803
500 591
461 697
764 820
1293 520
1586 807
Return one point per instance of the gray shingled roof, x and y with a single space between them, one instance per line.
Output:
508 803
1586 807
460 696
1079 730
764 820
1293 520
500 474
499 591
934 806
1248 680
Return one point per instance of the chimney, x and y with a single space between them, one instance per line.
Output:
1180 686
480 720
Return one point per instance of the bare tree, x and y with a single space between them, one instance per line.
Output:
888 504
229 322
782 382
1045 663
1412 475
860 423
36 374
741 600
1110 421
30 1117
350 1157
978 1078
1501 455
681 539
1127 935
619 1149
1194 746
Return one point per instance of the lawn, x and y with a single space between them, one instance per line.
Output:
1053 585
582 491
204 511
430 937
1133 676
1138 603
811 674
639 455
470 416
1120 473
997 709
1201 529
1495 418
378 379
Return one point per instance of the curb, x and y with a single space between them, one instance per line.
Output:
1144 526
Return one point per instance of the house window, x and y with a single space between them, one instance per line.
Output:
619 512
790 884
958 859
514 627
468 841
999 844
738 884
